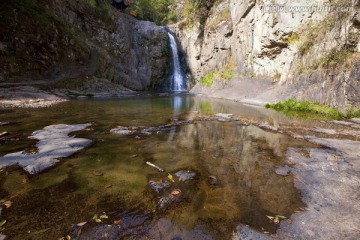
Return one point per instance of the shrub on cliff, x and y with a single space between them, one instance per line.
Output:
158 11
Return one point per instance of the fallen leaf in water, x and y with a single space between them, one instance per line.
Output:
279 216
117 222
98 220
175 192
108 186
170 177
134 156
104 216
2 223
79 232
68 237
266 232
270 217
7 204
81 224
97 173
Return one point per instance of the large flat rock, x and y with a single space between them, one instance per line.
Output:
54 144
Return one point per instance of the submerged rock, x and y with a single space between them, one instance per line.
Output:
212 180
283 171
147 130
159 186
185 175
54 144
246 233
168 199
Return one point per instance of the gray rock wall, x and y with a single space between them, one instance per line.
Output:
90 41
271 44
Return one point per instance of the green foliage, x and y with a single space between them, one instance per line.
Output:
205 107
292 38
208 79
225 73
292 105
353 112
334 57
158 11
305 47
197 11
224 15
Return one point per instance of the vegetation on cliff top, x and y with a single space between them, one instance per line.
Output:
158 11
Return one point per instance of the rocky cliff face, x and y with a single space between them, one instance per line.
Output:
74 41
309 49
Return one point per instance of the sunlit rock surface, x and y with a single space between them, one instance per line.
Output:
54 144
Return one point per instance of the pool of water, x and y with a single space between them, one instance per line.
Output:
235 166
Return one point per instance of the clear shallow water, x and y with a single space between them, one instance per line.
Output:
241 158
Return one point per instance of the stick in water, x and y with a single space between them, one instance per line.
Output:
153 165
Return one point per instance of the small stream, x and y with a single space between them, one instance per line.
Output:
234 166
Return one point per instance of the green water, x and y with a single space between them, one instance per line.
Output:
242 158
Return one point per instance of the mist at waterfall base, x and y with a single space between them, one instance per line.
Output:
177 79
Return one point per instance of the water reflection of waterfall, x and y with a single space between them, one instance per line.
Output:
177 104
178 82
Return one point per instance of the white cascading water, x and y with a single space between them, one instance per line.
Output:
178 81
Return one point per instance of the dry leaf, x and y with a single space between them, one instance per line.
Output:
68 237
8 204
276 220
108 186
2 223
279 216
175 192
104 216
81 224
98 220
117 222
134 156
270 217
170 177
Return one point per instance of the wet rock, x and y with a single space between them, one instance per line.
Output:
3 134
159 186
344 123
268 127
168 199
355 120
329 185
2 237
325 131
54 144
147 130
246 233
185 175
222 117
283 171
121 131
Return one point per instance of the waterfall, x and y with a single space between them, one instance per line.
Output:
178 81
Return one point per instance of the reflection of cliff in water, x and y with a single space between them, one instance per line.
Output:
243 160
